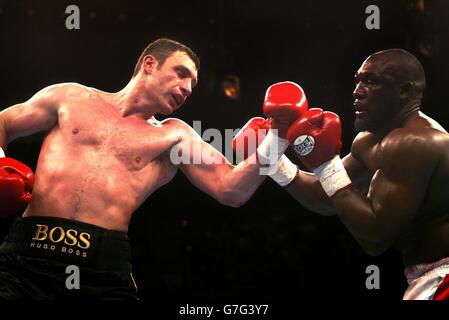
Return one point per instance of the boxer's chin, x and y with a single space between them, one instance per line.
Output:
365 125
167 109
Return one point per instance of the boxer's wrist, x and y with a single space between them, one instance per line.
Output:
271 149
285 173
332 176
2 153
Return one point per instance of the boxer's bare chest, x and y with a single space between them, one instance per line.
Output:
92 128
369 153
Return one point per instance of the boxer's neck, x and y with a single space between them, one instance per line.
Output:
399 119
133 100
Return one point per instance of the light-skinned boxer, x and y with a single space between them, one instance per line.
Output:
103 155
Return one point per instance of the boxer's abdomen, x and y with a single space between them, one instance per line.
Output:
99 183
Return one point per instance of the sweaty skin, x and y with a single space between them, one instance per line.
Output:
101 158
402 163
406 205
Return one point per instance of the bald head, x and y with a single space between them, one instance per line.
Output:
389 84
402 67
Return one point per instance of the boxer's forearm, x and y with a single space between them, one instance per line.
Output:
214 174
356 212
3 133
240 182
307 190
363 219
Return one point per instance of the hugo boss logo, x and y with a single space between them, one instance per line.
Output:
57 238
304 145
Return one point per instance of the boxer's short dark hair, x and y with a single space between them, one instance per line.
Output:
161 49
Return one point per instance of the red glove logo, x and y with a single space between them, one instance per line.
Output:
303 145
316 137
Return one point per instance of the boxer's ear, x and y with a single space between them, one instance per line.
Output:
149 64
406 90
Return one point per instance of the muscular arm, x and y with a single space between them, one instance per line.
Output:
395 195
307 190
37 114
3 134
212 173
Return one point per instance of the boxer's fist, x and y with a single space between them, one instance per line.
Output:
284 103
316 137
247 139
16 183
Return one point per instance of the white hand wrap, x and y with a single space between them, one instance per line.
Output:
2 153
332 175
286 172
271 148
269 152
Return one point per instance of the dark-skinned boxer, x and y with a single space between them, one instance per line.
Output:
391 189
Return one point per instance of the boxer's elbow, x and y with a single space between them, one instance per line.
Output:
374 252
232 193
232 199
3 132
375 248
321 209
233 202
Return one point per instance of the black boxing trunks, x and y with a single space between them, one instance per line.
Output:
51 258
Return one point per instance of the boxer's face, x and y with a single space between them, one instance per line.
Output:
376 97
173 81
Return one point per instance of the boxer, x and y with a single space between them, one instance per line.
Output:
103 155
391 189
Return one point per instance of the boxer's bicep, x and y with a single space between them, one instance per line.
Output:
354 162
357 172
309 192
209 170
37 114
203 165
395 196
397 191
206 167
396 202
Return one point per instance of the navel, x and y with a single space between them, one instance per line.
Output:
138 159
75 131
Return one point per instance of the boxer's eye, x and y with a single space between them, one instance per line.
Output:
367 81
182 73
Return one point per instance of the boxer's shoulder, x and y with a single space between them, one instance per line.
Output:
363 142
181 131
56 93
66 88
178 125
419 139
175 123
412 149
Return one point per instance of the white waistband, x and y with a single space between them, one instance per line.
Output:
427 269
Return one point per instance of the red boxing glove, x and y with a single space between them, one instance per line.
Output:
247 139
16 183
316 137
284 103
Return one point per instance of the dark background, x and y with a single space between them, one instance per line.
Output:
186 246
